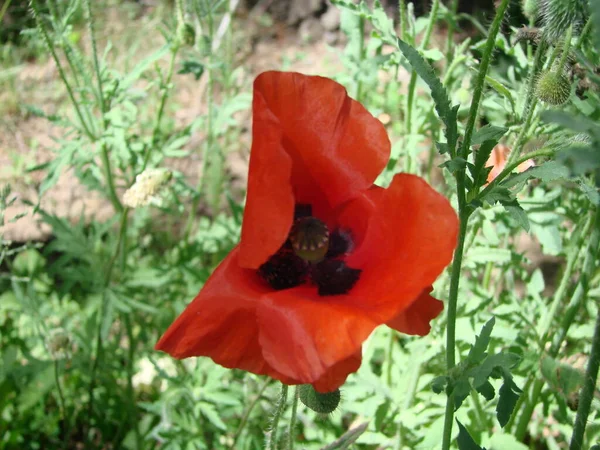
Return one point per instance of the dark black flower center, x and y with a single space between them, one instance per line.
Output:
312 254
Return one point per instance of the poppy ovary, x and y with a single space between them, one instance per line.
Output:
309 237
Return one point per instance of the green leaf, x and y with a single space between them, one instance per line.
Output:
509 395
464 439
488 133
438 92
517 212
478 349
439 384
487 390
501 89
210 412
454 164
548 171
574 122
579 159
594 7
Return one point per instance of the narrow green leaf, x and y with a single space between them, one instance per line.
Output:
577 123
464 439
438 92
509 395
488 133
487 390
548 171
517 212
478 349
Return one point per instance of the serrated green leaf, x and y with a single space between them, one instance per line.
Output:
487 390
464 439
210 412
488 133
517 212
381 414
574 122
454 164
580 159
438 92
478 349
439 384
548 171
509 395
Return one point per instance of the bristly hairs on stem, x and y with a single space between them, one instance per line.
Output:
279 409
464 213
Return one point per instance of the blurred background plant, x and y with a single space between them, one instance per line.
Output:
125 138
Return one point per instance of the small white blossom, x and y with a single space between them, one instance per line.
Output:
146 187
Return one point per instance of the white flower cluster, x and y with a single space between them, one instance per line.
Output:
146 187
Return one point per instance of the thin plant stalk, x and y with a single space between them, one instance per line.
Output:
103 306
272 435
133 419
530 104
246 415
292 429
464 212
63 409
587 393
450 35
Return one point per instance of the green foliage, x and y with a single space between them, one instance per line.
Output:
80 314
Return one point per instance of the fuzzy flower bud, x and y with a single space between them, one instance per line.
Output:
318 402
553 87
146 187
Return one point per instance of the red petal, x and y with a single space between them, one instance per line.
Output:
305 336
415 319
221 321
405 237
270 205
336 375
338 148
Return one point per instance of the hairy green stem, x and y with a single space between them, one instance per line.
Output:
102 311
480 80
246 415
450 35
587 393
565 48
529 105
412 84
272 435
166 89
464 213
63 410
292 428
452 307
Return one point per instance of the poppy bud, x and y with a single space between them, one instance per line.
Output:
530 9
553 88
321 403
310 239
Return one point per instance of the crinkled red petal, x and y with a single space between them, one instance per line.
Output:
311 144
415 319
305 336
221 321
405 237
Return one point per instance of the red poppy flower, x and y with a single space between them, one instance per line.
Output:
325 256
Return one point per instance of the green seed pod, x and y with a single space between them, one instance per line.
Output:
321 403
559 15
531 9
553 88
